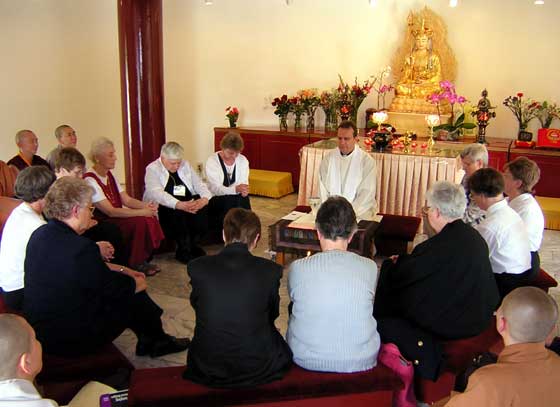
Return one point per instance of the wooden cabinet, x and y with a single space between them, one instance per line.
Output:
270 149
549 184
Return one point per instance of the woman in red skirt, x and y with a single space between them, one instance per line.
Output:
136 219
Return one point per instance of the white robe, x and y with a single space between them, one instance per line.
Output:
353 177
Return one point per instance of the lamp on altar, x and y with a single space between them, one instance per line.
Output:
381 137
432 120
380 118
483 116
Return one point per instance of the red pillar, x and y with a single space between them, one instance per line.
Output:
141 65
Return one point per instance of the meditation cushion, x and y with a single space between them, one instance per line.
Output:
458 355
273 184
544 281
62 377
166 387
551 211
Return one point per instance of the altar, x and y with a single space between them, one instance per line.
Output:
402 178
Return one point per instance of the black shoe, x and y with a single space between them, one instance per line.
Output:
183 257
197 251
164 346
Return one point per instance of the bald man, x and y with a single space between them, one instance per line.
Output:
66 137
526 373
28 144
21 359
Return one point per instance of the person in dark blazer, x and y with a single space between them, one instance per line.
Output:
444 289
235 297
73 300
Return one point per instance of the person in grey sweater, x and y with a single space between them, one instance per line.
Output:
331 327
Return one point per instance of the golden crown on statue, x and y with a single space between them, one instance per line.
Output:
418 26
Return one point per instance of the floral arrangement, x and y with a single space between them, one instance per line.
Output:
546 113
282 105
382 90
447 94
351 97
310 100
328 102
524 110
232 114
297 108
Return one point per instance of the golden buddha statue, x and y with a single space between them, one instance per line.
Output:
421 67
422 71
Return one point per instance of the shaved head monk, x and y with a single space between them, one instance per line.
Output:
526 373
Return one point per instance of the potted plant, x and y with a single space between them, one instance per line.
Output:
283 106
310 100
453 129
232 114
524 110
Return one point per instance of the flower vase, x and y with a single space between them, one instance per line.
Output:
297 122
523 134
283 118
354 117
232 122
310 125
333 121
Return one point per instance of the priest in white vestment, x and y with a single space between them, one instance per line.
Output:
350 172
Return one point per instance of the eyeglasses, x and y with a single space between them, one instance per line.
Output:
91 209
426 209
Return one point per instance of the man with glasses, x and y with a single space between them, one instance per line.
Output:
443 290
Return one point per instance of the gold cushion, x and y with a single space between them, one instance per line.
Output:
273 184
551 211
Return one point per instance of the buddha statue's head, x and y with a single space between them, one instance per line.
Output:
421 31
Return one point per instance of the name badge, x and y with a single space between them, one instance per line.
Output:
179 190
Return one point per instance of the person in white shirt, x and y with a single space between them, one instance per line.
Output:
227 174
21 359
182 196
520 176
503 230
350 172
32 185
473 157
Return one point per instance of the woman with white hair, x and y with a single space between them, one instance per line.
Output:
136 219
182 197
444 289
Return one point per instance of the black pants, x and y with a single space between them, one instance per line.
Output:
14 300
535 263
219 206
141 314
109 232
184 228
508 282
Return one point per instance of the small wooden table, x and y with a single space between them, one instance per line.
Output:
304 242
385 238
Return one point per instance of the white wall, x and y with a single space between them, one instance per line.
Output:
243 52
60 60
60 64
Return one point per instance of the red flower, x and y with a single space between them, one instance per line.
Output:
519 94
